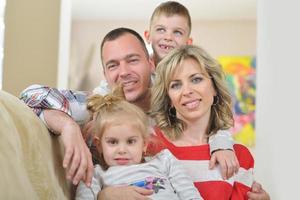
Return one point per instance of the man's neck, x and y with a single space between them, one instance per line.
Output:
144 102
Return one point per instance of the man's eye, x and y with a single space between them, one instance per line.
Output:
133 61
111 66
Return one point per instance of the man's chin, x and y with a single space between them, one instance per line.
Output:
131 97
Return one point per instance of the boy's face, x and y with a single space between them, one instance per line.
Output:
122 144
167 33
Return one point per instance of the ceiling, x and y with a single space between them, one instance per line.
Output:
142 9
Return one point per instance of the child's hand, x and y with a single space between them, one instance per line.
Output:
228 162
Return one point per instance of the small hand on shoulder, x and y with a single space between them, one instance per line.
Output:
227 160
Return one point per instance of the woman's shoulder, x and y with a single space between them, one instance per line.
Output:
244 156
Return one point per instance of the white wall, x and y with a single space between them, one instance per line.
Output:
217 37
278 69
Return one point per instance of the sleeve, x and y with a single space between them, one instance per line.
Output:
244 178
181 182
221 140
73 103
90 193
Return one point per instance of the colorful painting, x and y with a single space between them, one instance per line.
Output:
240 73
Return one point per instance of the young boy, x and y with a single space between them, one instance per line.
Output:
170 27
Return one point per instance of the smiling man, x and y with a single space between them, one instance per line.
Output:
126 62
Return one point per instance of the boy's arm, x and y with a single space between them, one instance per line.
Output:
221 149
221 140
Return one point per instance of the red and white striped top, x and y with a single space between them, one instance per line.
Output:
209 182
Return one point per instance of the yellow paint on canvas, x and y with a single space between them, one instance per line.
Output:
246 136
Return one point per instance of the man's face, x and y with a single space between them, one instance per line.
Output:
126 63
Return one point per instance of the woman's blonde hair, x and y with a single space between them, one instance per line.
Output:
221 114
110 109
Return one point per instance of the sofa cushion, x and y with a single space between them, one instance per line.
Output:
30 157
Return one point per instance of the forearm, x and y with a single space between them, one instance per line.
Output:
57 121
221 140
73 103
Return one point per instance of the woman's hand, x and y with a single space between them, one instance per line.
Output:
257 192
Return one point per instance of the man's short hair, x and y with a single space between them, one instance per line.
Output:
118 32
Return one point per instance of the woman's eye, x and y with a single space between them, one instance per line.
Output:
175 86
197 79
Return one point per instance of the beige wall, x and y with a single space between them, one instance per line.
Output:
218 37
30 44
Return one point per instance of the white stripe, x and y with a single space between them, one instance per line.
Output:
200 172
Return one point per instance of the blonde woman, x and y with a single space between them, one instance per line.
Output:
190 103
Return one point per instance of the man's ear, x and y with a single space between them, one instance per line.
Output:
189 41
147 36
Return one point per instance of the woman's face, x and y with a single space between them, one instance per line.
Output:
191 92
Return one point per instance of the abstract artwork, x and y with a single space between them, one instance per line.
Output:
240 74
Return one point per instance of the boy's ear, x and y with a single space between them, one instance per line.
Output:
189 41
152 64
147 36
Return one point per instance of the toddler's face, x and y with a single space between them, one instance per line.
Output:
167 33
122 144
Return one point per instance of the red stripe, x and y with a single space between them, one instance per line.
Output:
214 190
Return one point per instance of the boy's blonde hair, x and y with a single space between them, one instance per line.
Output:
170 8
221 113
110 109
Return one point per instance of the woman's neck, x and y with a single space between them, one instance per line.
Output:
194 134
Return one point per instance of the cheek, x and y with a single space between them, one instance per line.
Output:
173 98
106 150
111 77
